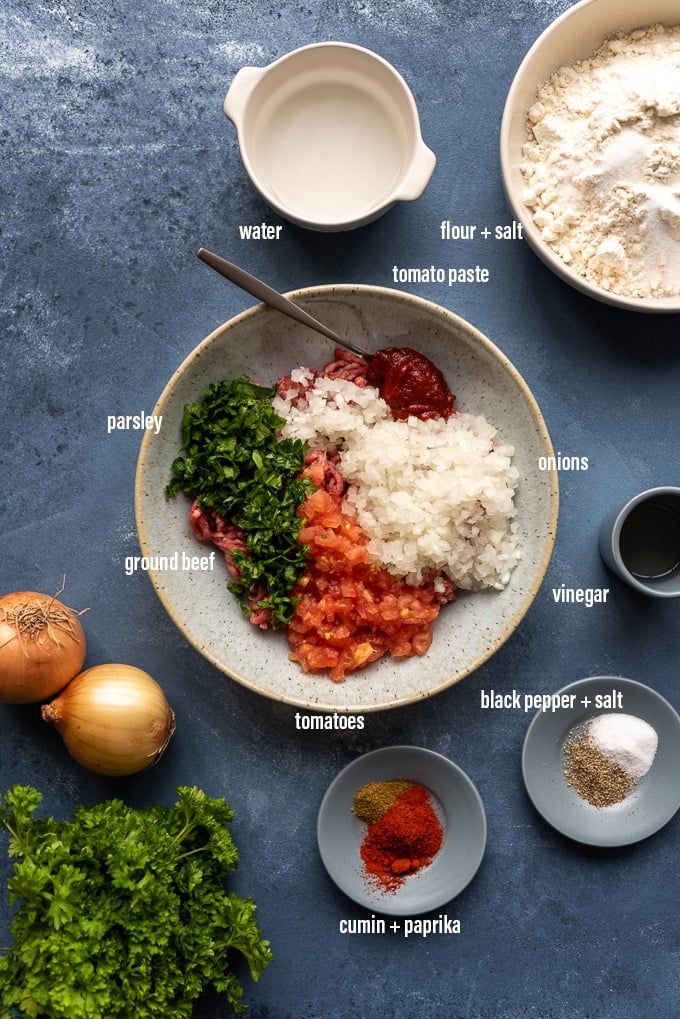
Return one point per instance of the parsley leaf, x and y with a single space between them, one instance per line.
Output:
124 912
234 463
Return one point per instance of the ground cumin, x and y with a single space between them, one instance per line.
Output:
373 799
403 840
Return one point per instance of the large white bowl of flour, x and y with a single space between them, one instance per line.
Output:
590 151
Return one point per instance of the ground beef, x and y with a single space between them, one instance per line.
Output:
208 525
346 366
323 466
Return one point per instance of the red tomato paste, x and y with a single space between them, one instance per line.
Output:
410 384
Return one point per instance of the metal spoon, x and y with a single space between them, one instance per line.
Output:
257 288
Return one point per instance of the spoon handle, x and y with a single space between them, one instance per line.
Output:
259 289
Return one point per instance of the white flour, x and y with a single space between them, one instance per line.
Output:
602 164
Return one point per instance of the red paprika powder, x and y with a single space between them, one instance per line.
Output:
403 840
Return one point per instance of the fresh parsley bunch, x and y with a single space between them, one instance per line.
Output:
124 912
235 463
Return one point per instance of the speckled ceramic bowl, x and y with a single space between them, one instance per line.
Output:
575 35
264 345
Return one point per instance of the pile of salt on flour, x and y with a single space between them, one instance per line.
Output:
601 164
432 496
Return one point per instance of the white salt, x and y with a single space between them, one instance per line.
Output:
626 740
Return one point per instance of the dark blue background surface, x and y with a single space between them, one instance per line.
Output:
117 164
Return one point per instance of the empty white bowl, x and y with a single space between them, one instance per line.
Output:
329 135
575 35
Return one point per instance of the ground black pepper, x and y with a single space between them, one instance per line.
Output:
595 777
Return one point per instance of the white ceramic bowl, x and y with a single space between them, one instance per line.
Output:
573 36
264 345
329 135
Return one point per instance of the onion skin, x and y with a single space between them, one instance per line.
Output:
114 719
37 663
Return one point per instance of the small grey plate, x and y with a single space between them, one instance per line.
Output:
340 833
646 809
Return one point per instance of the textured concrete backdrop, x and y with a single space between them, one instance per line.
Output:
117 164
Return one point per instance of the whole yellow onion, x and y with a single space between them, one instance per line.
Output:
42 646
114 719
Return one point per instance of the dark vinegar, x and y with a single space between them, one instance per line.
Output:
650 541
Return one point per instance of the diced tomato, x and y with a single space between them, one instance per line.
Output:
351 611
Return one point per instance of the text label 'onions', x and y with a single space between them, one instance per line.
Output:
114 719
42 646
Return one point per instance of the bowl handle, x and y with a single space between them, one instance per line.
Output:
418 174
240 90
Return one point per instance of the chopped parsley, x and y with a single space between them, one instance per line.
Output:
123 912
233 462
